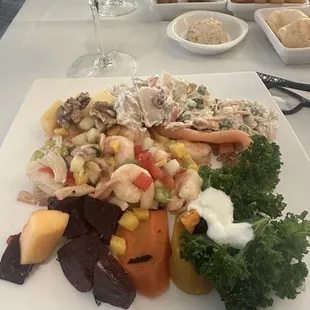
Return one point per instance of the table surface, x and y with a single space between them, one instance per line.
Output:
47 36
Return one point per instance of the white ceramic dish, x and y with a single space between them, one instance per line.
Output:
290 56
169 11
236 30
47 288
246 11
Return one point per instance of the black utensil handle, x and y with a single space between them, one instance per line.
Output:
290 84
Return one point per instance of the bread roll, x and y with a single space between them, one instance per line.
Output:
295 34
282 17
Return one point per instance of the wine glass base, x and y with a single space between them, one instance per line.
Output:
116 7
119 64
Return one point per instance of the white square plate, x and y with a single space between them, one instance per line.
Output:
47 288
290 56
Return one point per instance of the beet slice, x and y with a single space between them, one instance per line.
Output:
78 258
77 225
10 268
66 205
74 206
102 216
112 283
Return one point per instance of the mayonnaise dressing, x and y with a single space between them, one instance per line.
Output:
217 209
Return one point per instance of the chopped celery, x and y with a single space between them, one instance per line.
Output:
162 195
37 155
57 150
64 152
49 144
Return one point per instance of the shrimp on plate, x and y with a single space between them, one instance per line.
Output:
124 149
126 191
188 187
199 151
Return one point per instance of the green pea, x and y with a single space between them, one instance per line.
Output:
202 90
37 155
199 103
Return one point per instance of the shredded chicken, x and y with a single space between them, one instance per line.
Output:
74 191
57 164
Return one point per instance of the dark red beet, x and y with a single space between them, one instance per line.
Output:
112 284
66 205
102 216
74 206
77 225
10 268
78 258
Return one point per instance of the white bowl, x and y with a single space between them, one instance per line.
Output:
236 30
290 56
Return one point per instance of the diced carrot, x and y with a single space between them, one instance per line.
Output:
226 148
151 241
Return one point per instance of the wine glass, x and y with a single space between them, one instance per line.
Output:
116 7
101 64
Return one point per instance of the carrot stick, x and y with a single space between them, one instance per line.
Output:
217 137
226 148
151 238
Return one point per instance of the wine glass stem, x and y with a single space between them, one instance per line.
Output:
102 60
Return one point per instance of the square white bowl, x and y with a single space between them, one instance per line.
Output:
169 11
246 11
290 56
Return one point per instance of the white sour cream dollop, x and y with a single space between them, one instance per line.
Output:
217 209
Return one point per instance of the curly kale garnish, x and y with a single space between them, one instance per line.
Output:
270 264
250 182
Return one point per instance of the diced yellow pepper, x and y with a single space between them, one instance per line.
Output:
162 139
60 132
178 150
161 163
189 163
114 131
142 214
80 179
114 144
117 245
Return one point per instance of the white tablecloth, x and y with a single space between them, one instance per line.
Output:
46 36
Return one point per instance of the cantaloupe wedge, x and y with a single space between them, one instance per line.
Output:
41 235
48 118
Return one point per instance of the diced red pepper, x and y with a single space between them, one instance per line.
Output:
47 170
156 173
138 150
70 179
168 181
146 160
143 181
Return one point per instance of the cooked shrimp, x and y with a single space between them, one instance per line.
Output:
104 189
136 136
217 137
188 185
126 149
126 191
200 152
175 203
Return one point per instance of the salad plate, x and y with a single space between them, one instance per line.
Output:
48 288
